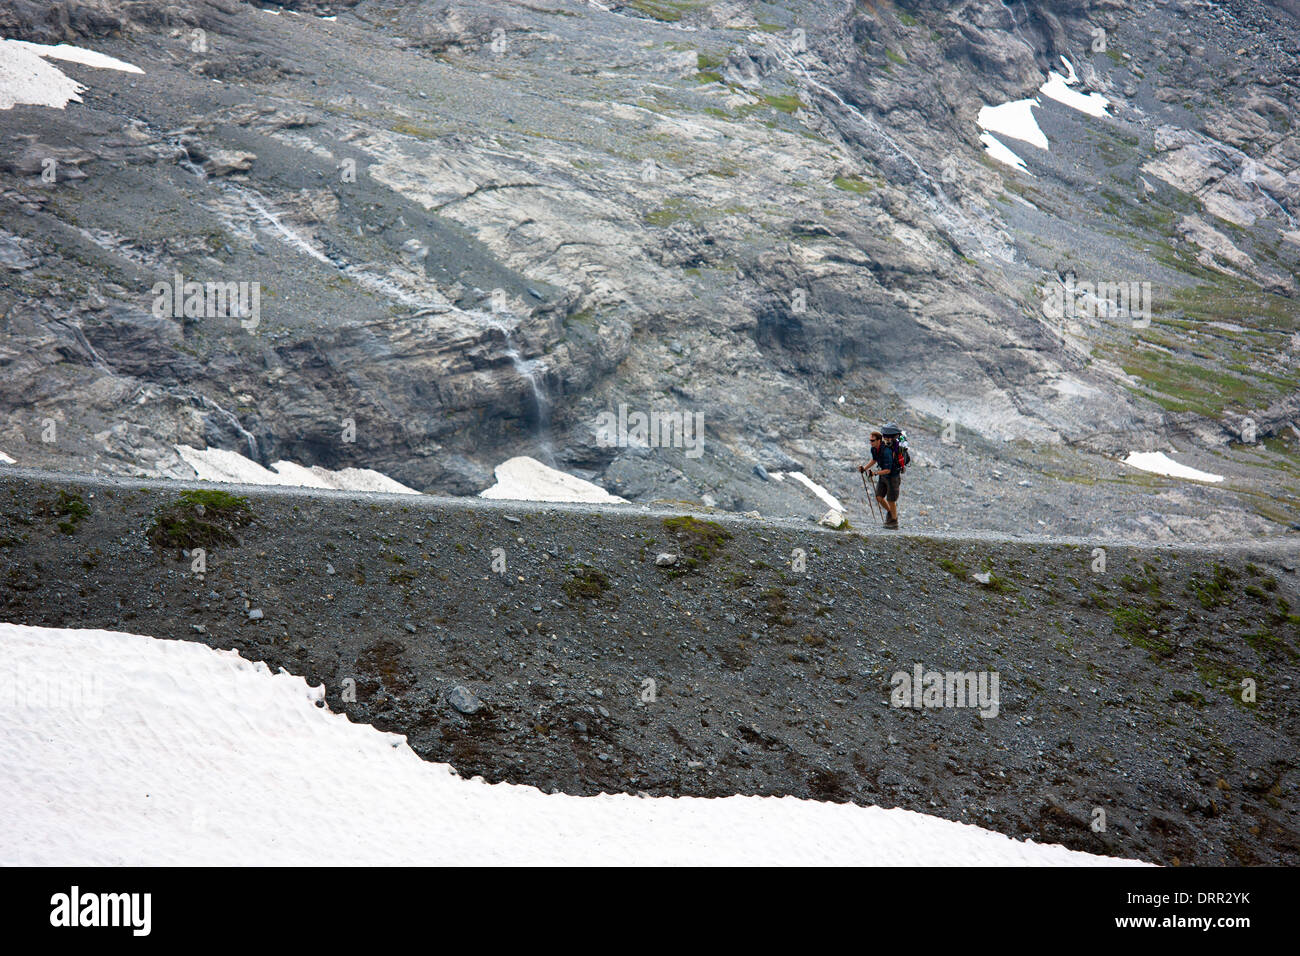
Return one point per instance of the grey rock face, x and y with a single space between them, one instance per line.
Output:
695 217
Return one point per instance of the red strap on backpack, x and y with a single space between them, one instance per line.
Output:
898 455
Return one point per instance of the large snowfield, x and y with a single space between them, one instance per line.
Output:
121 749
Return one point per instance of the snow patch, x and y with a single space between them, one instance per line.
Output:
26 79
6 460
1058 88
995 148
217 464
75 54
195 756
817 489
527 479
1014 119
1161 464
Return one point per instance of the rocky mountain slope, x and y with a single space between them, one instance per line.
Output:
553 646
477 226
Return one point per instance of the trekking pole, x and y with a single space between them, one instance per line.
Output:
871 504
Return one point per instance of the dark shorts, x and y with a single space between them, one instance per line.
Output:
887 486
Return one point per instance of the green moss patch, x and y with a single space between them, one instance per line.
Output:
200 519
586 582
68 506
853 184
700 542
666 11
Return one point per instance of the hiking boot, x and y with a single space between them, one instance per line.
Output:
891 523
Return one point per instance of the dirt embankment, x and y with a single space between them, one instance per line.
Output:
761 662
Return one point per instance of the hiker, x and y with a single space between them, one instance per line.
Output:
890 460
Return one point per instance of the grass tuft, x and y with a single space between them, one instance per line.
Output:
200 519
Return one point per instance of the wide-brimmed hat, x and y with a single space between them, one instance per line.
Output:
889 429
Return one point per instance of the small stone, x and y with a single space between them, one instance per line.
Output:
981 577
464 700
409 626
832 519
255 614
329 568
199 628
665 560
761 472
512 519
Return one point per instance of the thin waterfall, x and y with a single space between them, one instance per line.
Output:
534 371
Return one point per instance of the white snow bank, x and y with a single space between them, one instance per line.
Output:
817 489
1014 119
1162 464
343 479
123 750
217 464
75 54
527 479
26 79
995 148
1057 88
6 460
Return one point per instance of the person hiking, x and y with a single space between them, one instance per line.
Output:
885 453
